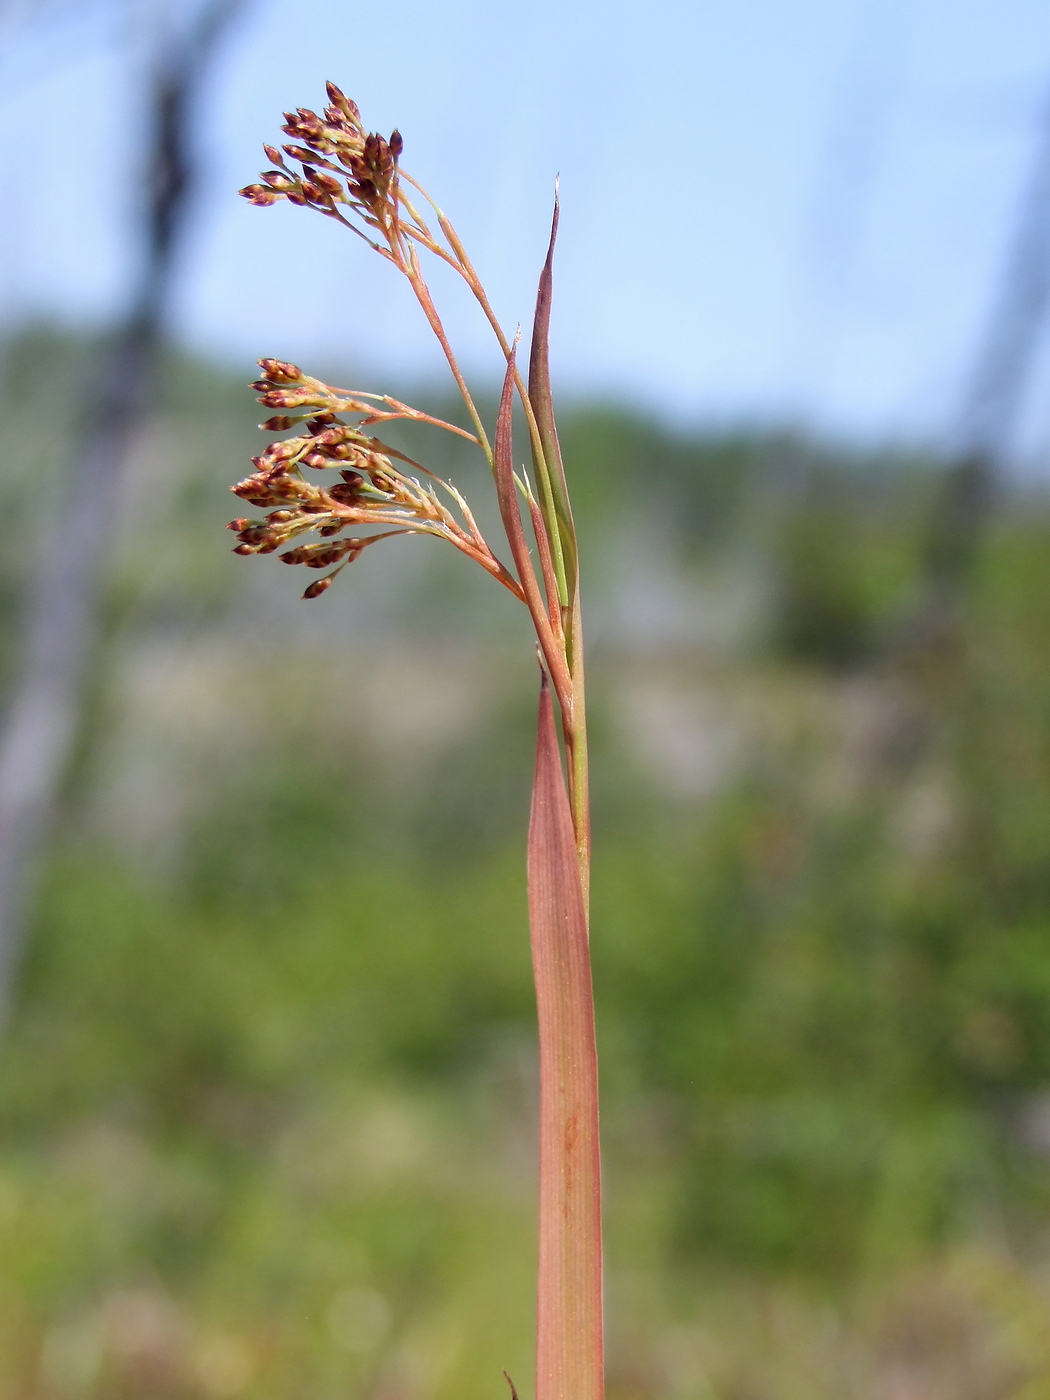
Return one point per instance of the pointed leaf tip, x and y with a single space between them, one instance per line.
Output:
539 367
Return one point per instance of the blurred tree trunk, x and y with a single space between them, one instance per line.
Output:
987 423
925 654
63 608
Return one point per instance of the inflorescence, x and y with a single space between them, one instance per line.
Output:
344 170
340 163
372 491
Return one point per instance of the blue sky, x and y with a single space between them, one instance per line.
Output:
792 209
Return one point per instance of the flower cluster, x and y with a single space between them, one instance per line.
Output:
372 491
340 163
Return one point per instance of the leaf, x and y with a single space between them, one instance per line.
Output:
543 407
569 1362
510 513
503 470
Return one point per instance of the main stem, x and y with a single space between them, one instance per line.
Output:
569 1322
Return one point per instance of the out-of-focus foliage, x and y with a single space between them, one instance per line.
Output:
267 1102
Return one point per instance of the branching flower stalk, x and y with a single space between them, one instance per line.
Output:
333 165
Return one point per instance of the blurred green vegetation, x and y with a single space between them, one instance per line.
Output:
267 1102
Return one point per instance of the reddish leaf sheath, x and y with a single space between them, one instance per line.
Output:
569 1363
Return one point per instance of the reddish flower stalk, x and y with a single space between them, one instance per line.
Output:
355 177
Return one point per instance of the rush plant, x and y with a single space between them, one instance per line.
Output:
335 166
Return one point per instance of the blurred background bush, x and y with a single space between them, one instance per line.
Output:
267 1078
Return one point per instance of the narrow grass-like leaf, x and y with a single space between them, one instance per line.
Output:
510 512
543 407
569 1364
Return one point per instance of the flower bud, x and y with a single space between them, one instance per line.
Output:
304 124
339 99
281 451
277 423
288 398
343 494
319 556
280 371
260 195
329 183
318 587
